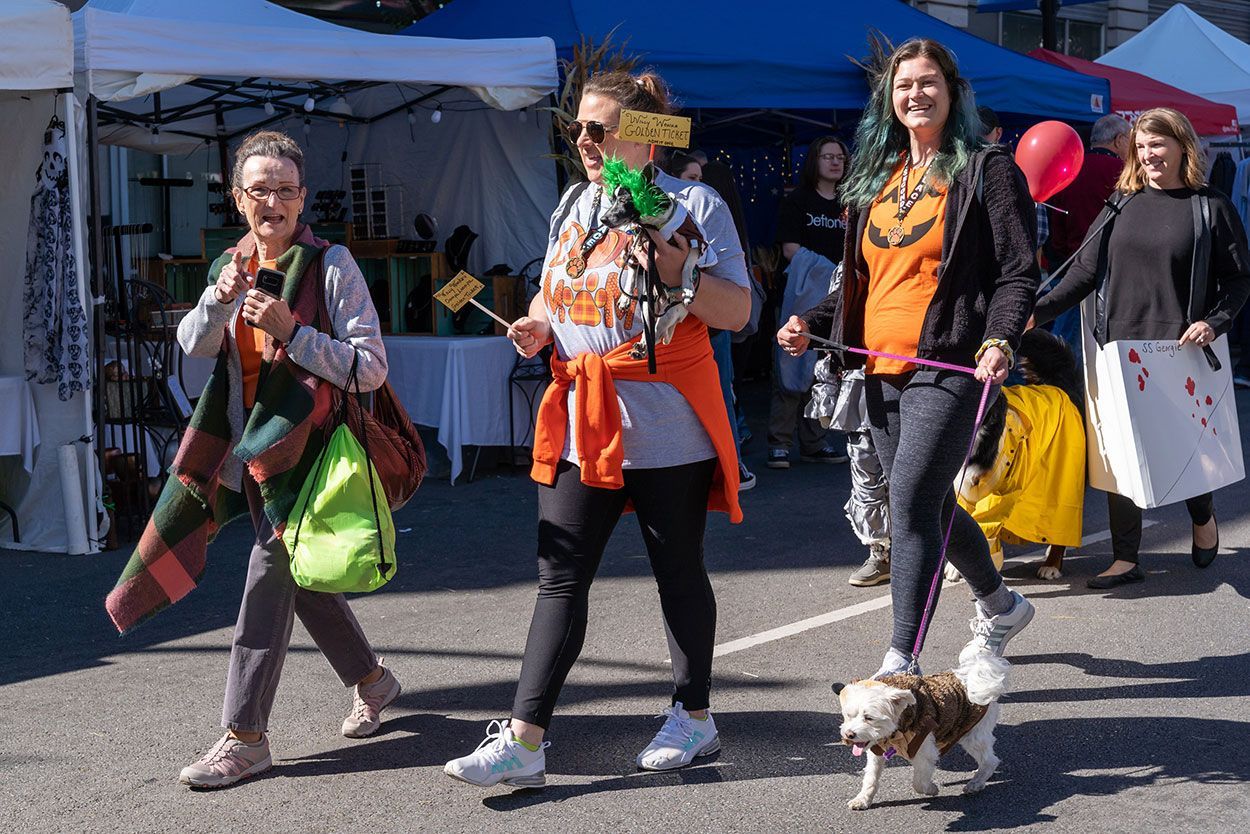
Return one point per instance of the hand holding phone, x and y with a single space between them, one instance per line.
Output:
269 281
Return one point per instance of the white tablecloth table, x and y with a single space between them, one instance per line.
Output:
459 385
19 426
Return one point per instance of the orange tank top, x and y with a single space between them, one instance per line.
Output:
251 342
902 276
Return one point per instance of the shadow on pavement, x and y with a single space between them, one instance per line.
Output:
1148 750
1209 677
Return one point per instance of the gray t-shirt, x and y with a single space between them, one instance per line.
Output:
659 428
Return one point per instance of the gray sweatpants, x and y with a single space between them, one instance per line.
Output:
271 601
922 424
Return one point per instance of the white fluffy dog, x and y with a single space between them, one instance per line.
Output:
920 718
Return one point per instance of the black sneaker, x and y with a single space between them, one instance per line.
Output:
778 459
825 455
746 478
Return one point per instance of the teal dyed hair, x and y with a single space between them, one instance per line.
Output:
881 140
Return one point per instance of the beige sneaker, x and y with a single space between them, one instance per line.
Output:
368 701
228 762
875 570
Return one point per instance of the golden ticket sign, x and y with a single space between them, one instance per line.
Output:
654 129
459 291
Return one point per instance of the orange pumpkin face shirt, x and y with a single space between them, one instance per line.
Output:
902 278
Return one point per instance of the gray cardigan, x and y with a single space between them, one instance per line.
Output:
356 326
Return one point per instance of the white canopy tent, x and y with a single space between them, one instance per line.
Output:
1215 64
55 506
172 77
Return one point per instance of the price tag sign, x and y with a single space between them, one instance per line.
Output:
459 291
654 129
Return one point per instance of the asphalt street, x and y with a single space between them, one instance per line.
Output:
1129 710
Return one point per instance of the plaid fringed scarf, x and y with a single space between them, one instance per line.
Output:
279 444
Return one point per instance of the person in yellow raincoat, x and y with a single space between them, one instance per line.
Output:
1035 490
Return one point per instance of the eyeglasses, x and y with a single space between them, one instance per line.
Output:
595 130
832 157
260 193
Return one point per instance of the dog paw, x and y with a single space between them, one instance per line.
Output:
975 786
1048 572
952 573
930 789
859 803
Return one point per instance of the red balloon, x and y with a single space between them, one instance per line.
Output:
1050 154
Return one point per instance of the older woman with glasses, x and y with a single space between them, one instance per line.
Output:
252 440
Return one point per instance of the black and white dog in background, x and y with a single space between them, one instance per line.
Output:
1043 359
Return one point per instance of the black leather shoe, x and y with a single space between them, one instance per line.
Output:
1102 583
1204 556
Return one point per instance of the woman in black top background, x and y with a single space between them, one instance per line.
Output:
810 217
1149 261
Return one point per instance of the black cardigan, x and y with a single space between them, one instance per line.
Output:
987 279
1148 263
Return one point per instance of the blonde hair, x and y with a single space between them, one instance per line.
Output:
1164 121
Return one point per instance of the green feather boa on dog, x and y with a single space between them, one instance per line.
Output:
649 199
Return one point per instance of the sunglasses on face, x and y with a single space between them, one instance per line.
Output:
595 130
260 193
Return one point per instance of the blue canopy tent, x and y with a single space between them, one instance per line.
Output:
758 81
738 57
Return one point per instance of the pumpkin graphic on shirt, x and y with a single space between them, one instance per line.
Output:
588 299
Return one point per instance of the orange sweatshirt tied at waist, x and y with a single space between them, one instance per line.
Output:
686 363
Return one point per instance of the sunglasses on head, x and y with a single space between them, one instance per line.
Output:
595 130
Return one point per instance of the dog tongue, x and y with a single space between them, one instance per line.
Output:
857 749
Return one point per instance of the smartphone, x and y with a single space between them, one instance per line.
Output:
268 281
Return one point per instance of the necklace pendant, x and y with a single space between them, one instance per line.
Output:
895 236
575 266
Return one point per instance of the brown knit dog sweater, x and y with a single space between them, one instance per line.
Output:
942 708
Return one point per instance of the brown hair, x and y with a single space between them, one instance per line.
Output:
266 143
1164 121
646 92
809 174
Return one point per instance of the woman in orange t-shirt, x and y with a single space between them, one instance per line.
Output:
939 265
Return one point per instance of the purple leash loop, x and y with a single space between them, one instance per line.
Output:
930 603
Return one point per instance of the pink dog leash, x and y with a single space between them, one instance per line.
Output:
930 603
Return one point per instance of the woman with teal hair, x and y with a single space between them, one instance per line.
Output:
938 265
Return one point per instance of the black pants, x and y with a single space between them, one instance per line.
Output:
921 425
574 524
1126 522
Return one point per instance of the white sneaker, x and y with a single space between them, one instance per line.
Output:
501 758
991 634
680 741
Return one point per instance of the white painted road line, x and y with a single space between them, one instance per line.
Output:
874 604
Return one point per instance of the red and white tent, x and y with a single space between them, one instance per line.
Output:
1132 93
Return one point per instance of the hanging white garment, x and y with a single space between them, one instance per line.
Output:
54 323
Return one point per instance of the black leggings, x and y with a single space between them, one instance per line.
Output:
1125 518
921 425
574 524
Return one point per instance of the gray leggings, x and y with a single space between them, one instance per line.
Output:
921 425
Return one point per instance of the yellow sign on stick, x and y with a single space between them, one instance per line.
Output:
460 291
654 129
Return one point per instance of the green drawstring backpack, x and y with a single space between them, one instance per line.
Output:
340 535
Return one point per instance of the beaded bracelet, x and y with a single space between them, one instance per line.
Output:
1002 345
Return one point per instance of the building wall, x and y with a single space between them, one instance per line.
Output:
1120 19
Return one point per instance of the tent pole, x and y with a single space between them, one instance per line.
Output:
1050 25
91 468
96 257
